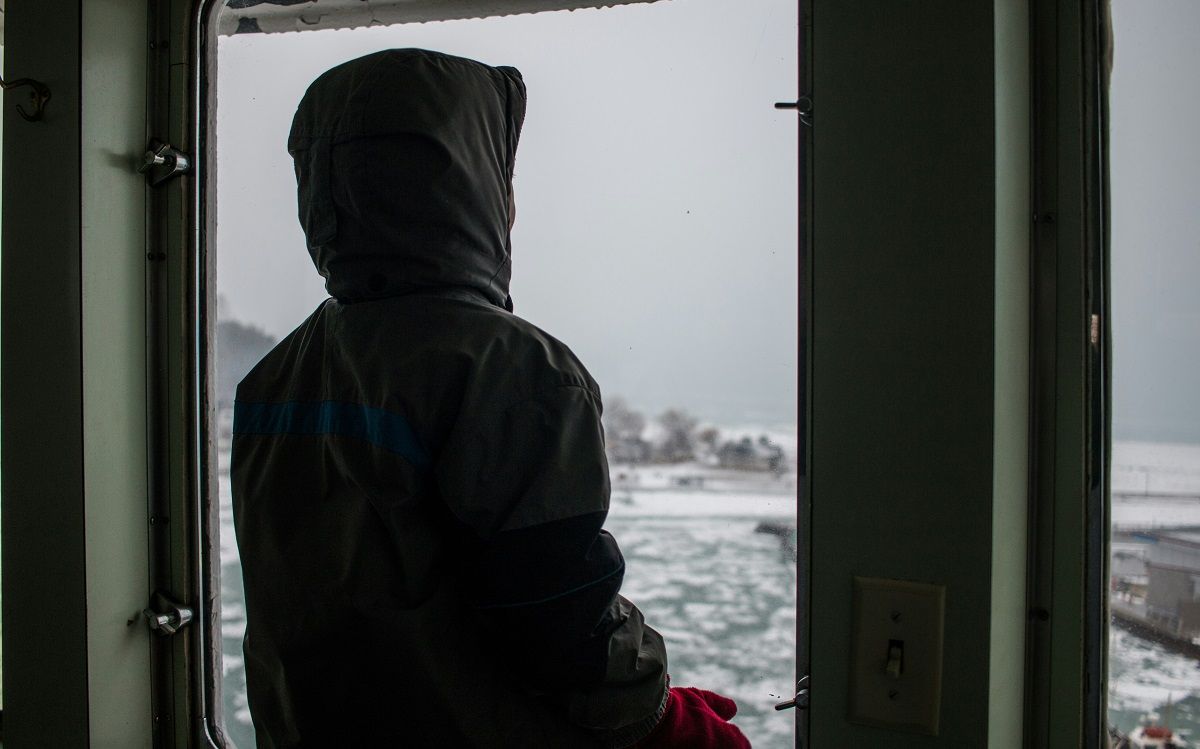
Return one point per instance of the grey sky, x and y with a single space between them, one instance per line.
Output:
656 190
1155 169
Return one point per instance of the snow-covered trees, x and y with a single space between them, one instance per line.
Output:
678 442
676 436
239 347
623 428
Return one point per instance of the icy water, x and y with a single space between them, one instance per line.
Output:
1143 677
721 593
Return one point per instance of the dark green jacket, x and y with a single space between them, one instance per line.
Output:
419 480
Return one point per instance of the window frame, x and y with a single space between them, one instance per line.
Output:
1070 435
184 670
184 501
1067 634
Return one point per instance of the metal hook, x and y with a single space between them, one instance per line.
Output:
803 107
38 96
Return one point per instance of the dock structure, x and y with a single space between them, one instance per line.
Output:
1155 585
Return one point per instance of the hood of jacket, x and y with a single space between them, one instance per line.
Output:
404 162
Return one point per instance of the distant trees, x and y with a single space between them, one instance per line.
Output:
239 347
678 443
676 436
621 422
623 428
708 439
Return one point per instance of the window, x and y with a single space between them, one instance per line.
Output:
1154 660
656 235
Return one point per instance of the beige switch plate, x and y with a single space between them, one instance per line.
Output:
897 610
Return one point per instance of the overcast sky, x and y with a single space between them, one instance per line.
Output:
656 193
656 190
1155 170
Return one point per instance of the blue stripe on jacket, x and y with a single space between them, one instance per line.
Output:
384 429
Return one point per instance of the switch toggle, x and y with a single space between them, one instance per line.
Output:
896 654
895 658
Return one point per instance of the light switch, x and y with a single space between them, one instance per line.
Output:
895 659
896 654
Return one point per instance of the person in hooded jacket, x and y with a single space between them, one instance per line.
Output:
419 477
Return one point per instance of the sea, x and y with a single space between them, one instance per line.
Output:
711 562
712 569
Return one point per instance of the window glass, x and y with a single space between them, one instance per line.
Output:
1154 650
656 235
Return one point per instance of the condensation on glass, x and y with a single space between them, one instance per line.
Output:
656 235
1154 642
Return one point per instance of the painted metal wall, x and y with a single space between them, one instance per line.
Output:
75 579
44 580
113 265
917 256
1010 408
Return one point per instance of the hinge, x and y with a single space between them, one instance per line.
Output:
165 616
1094 331
159 154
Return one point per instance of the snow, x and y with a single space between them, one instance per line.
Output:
1155 485
708 480
1148 514
1149 468
707 504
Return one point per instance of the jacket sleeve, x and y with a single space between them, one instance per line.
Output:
533 487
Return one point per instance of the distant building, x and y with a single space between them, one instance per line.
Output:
1173 593
750 455
1127 570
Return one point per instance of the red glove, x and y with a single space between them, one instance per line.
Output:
696 719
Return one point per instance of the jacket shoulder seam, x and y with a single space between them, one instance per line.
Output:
546 391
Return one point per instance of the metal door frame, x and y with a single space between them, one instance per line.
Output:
184 504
